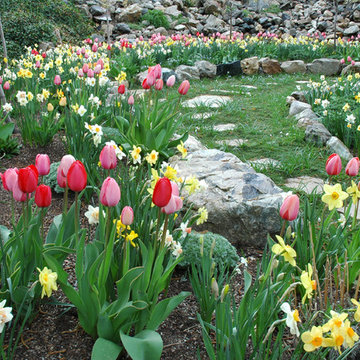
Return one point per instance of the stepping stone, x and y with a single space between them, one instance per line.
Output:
231 142
202 116
306 184
224 127
211 101
265 162
248 86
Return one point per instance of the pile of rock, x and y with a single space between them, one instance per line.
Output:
292 17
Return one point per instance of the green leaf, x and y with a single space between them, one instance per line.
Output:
6 131
247 280
105 350
146 345
4 233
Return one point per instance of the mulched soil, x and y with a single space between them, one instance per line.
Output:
55 333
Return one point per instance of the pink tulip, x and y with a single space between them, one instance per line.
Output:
80 73
342 61
184 87
352 63
65 163
157 71
349 59
333 164
151 78
131 100
94 48
97 69
42 163
85 68
110 192
127 215
108 157
101 63
37 64
290 208
171 81
1 80
352 167
175 203
19 195
6 85
57 80
159 84
9 178
61 179
90 73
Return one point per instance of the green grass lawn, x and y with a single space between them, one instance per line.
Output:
261 118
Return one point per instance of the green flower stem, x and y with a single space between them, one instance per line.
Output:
164 232
282 232
157 227
107 230
355 214
126 254
66 199
42 224
76 217
12 211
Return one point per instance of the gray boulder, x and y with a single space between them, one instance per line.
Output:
213 24
325 66
317 133
270 66
294 66
96 10
131 13
185 72
337 146
351 68
351 30
243 205
297 107
206 69
250 66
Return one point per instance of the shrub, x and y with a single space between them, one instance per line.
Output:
156 18
224 253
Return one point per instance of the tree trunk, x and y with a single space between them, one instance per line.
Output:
3 41
335 21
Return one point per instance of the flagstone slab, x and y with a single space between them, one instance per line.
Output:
307 184
248 87
211 101
231 142
224 127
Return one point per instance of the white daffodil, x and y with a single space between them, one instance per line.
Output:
292 318
5 315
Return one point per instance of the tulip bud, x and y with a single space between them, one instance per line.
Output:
62 101
65 163
159 84
110 192
50 107
121 89
80 73
43 196
171 81
333 164
76 176
6 85
214 287
352 167
94 48
57 80
85 68
90 73
127 215
9 178
290 208
349 59
342 61
28 179
108 157
280 277
131 100
162 192
144 85
224 292
151 78
42 163
184 87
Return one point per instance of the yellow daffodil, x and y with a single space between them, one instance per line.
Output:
307 283
170 173
354 192
203 216
334 196
336 321
284 250
130 237
335 340
47 280
192 184
182 149
135 154
312 339
357 312
350 335
152 157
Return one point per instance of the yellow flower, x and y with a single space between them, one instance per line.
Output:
121 77
130 237
350 335
152 157
203 216
346 107
284 250
170 173
30 96
50 107
47 280
307 283
182 149
62 101
135 154
334 196
192 184
45 94
42 75
354 192
120 227
335 340
312 339
357 312
336 321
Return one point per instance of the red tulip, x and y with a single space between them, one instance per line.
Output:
108 157
162 192
43 196
159 84
151 78
28 179
57 80
110 192
171 81
42 163
9 178
290 208
333 164
127 215
121 89
352 167
76 176
184 87
145 84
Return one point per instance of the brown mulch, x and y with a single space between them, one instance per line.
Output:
55 333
